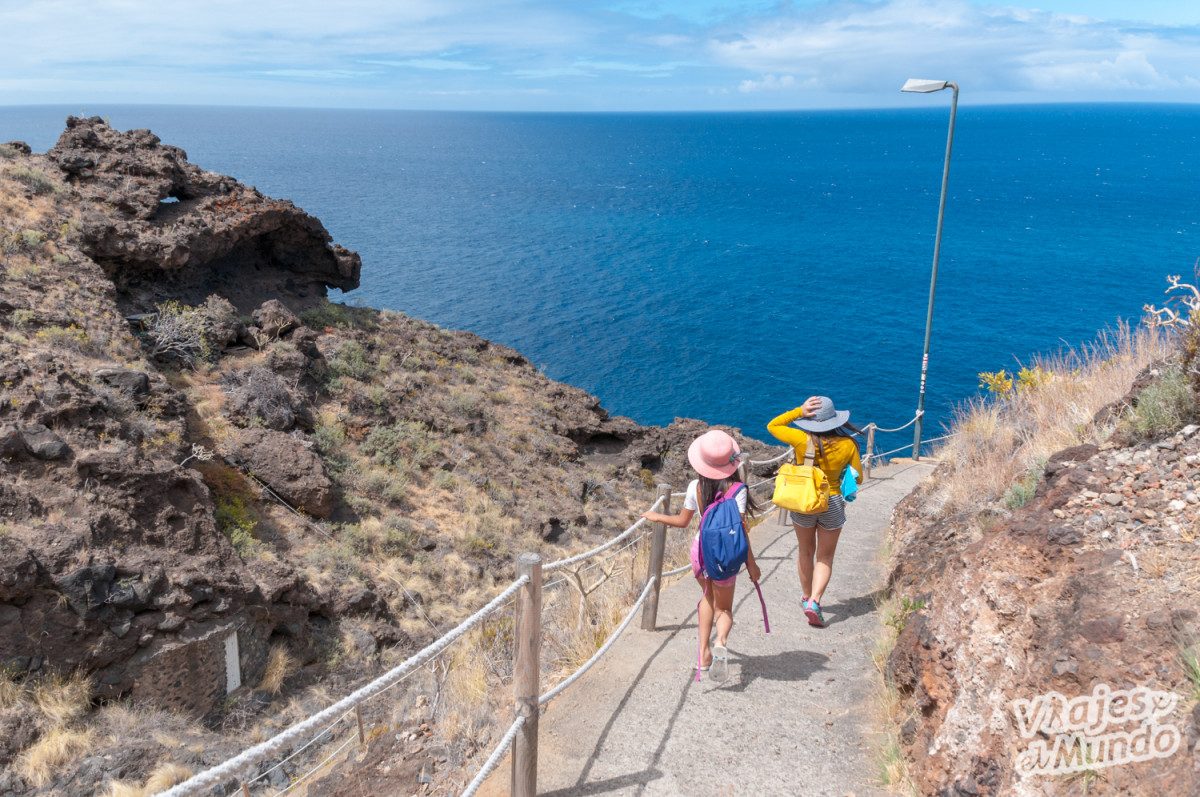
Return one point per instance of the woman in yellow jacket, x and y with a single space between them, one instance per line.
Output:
834 450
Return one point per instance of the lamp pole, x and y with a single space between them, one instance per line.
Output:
927 87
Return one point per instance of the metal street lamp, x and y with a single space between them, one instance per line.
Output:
917 86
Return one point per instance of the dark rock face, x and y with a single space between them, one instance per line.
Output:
164 228
289 467
274 319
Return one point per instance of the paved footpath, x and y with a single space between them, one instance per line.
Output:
793 715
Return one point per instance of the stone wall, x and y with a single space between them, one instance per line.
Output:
188 675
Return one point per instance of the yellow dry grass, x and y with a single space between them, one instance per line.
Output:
999 442
63 698
164 776
280 665
53 749
11 692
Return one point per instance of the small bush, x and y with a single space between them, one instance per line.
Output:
351 360
71 338
8 152
33 179
257 394
178 332
466 404
445 480
1163 407
329 314
1022 492
235 521
32 240
404 443
163 777
906 608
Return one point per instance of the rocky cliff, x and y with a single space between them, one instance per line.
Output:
214 483
1080 582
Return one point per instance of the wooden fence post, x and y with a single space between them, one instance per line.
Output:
245 790
527 675
870 450
658 545
362 731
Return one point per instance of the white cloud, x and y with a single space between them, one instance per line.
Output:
767 83
436 64
870 46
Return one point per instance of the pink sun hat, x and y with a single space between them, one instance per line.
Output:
714 454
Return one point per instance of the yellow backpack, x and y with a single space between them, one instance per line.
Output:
802 488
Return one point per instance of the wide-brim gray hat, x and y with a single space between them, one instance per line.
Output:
825 419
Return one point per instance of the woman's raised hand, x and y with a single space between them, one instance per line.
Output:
811 405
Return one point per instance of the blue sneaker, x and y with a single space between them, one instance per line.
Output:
812 610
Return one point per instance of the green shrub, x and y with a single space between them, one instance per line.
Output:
237 522
351 360
466 404
1164 406
404 443
329 314
907 607
445 480
36 181
1023 491
329 437
70 337
32 240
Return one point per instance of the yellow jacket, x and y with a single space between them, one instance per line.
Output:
839 451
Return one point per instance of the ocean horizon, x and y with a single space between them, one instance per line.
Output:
725 265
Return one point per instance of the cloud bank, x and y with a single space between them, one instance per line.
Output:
542 54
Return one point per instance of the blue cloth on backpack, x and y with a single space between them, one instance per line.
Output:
723 543
849 483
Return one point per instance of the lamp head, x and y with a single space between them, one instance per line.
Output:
919 86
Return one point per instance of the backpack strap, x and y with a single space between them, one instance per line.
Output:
734 489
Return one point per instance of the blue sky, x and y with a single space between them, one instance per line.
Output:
593 55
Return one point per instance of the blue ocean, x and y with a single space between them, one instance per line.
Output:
726 266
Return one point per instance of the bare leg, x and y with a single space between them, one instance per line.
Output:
723 600
705 620
827 540
806 542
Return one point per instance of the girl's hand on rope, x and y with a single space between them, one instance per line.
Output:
753 571
810 405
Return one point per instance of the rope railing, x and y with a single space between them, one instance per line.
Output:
235 766
333 715
493 760
599 549
599 654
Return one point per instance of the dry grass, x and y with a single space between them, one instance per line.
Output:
62 699
280 665
999 442
164 776
54 749
11 692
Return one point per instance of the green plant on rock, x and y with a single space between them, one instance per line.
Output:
236 521
1022 492
1163 406
69 337
906 608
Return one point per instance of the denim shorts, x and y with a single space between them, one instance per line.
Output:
832 518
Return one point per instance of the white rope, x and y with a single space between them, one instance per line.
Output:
679 571
239 763
918 414
353 738
493 760
771 461
298 750
575 676
570 560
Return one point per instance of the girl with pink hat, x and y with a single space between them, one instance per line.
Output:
716 458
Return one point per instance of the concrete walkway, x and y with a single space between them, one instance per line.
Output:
793 716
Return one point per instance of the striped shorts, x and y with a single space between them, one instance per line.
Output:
832 518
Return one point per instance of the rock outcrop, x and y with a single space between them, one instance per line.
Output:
1092 584
164 228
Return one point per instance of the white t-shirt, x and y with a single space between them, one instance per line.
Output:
692 501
